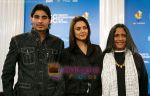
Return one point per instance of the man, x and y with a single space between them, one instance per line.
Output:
34 52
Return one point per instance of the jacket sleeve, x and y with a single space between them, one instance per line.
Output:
8 71
96 88
142 74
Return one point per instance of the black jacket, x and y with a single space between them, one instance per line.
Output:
82 72
142 74
32 58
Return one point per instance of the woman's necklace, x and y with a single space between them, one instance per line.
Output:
120 55
120 65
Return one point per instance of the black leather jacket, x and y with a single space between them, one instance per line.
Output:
32 58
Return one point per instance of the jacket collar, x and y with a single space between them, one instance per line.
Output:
90 50
36 34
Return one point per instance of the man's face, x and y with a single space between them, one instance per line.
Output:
40 21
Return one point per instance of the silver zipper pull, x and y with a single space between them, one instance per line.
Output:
89 86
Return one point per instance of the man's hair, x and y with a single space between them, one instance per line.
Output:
72 39
129 41
41 7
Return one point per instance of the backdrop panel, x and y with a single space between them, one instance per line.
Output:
137 18
62 13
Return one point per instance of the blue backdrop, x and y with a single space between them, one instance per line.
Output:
137 19
62 13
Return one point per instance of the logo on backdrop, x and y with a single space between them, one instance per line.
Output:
65 18
138 16
86 15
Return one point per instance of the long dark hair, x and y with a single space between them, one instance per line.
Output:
129 41
72 39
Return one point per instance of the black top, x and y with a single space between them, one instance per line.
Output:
120 57
82 72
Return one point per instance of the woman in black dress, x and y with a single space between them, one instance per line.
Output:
81 61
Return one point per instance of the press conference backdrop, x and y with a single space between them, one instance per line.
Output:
62 13
137 18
